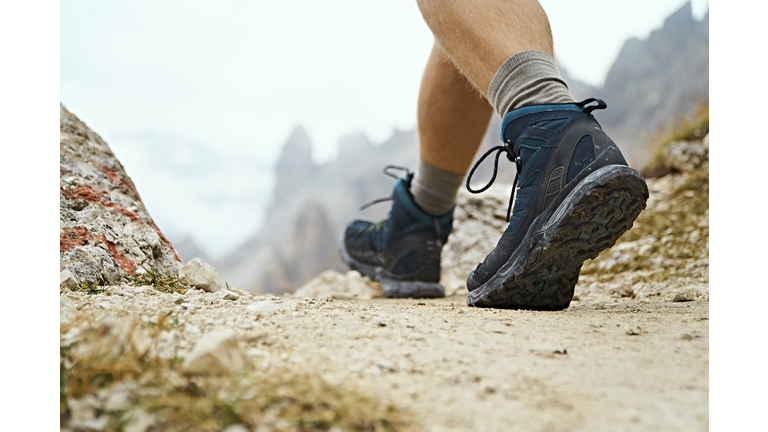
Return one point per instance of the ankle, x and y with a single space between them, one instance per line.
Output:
526 79
434 190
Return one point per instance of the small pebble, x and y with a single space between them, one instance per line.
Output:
229 295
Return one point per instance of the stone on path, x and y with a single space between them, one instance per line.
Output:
333 284
67 279
200 274
216 353
684 295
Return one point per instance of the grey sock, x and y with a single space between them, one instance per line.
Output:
434 190
527 78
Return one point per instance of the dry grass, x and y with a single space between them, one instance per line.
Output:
104 357
667 227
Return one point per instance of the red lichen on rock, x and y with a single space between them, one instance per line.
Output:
117 179
80 236
89 194
86 192
112 175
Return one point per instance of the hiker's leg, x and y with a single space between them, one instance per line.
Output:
452 120
480 35
452 116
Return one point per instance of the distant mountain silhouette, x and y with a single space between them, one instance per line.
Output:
652 83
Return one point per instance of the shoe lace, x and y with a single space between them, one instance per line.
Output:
509 149
386 171
512 157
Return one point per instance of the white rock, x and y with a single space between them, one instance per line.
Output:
193 330
361 287
333 284
199 274
216 353
228 295
67 279
236 428
145 289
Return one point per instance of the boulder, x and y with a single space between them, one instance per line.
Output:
200 274
105 232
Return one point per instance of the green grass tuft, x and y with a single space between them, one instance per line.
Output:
167 283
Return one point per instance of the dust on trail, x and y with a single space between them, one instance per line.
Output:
626 365
632 365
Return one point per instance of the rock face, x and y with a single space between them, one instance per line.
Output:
296 165
106 233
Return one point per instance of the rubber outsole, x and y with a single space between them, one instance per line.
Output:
409 289
393 288
543 271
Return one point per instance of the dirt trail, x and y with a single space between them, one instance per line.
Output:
631 365
626 365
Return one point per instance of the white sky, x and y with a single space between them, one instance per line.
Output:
237 76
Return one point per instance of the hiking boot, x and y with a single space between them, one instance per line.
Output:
577 196
402 251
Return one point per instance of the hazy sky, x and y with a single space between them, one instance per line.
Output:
237 76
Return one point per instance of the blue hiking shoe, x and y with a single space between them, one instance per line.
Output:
402 251
577 196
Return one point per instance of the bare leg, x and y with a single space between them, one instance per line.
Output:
479 35
452 116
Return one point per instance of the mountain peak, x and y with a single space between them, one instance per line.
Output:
683 17
298 142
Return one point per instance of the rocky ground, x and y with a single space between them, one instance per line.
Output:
630 353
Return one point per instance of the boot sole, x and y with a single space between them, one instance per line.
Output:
390 287
542 273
